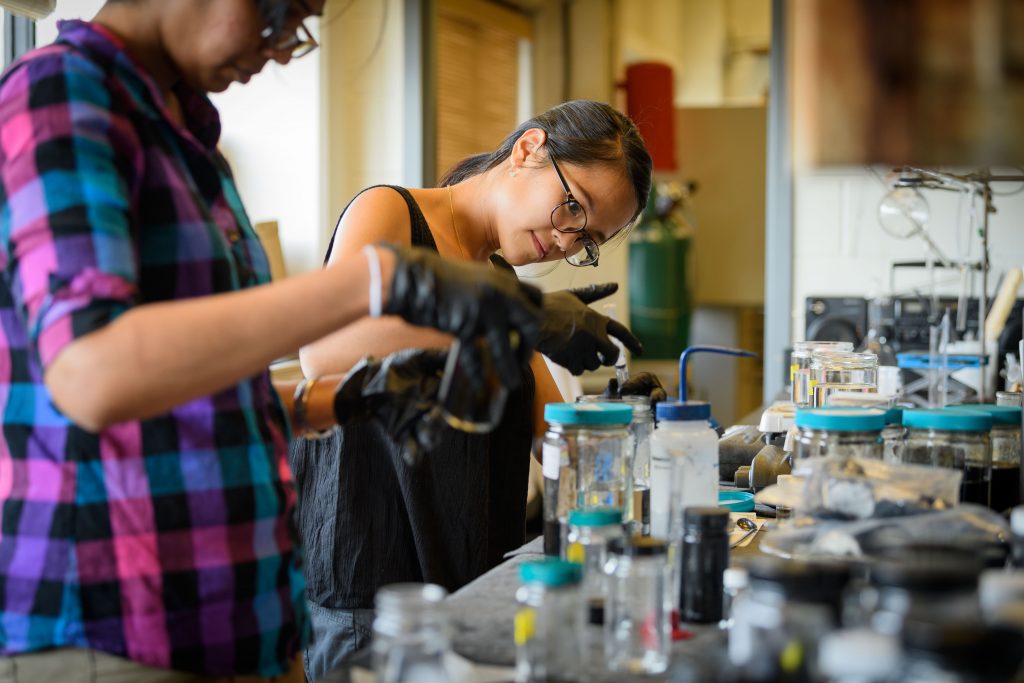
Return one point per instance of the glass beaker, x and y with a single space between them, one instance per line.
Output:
833 371
800 367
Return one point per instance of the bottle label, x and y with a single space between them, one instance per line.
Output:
550 460
576 553
525 625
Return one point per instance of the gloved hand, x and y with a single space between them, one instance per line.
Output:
467 301
400 392
640 384
576 336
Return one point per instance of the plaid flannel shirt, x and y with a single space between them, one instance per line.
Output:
167 540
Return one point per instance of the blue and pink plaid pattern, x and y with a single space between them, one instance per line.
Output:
169 540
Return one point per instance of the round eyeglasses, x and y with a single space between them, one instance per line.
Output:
570 217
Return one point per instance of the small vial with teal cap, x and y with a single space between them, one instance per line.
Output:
584 461
954 438
548 626
590 531
847 432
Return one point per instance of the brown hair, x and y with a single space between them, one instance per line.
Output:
578 132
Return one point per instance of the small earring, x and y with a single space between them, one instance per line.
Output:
512 171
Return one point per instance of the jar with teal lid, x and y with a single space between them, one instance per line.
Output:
548 627
844 432
1006 453
893 435
590 531
584 460
954 438
637 509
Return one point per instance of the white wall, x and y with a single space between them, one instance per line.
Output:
840 248
272 138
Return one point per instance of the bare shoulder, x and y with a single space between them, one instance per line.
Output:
379 214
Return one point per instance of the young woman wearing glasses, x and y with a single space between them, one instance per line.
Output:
145 496
559 187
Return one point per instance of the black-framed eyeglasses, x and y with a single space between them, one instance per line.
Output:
298 41
571 218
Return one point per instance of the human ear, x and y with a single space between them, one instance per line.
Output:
530 143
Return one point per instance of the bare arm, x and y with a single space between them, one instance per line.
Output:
376 215
157 356
546 392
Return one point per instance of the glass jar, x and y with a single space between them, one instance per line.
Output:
411 635
583 461
1008 398
638 507
930 587
800 367
636 627
833 371
548 626
779 619
893 435
1005 436
590 531
948 437
843 432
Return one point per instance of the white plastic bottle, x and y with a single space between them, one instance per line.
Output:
684 464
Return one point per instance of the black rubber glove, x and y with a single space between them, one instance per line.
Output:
576 336
467 301
640 384
400 392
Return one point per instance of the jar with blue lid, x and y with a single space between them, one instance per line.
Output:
1006 453
637 510
584 461
954 438
845 432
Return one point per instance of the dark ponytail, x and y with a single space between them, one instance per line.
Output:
578 132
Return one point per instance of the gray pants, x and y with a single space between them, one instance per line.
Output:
337 633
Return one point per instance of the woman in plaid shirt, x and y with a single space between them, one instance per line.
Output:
145 496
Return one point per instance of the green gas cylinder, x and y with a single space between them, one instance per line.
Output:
659 296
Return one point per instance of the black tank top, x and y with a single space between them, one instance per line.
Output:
367 519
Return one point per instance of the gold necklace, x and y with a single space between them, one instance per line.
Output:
455 227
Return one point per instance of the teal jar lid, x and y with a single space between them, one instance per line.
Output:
589 413
948 420
736 501
551 573
894 415
595 517
1001 415
841 419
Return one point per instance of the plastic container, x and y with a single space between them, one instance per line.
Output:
590 531
842 432
684 464
548 626
800 367
959 439
780 618
411 635
1017 537
636 629
1008 398
833 371
584 462
638 507
1005 436
705 556
736 501
858 656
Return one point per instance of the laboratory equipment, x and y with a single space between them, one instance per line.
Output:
684 463
1006 453
590 531
411 634
957 439
704 558
833 371
637 619
843 432
549 625
800 367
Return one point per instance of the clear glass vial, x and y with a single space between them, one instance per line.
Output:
833 371
590 531
636 625
800 367
548 626
843 432
411 635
